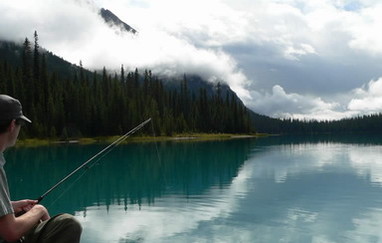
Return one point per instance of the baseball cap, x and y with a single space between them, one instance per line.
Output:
10 108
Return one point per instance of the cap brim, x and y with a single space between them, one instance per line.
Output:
25 119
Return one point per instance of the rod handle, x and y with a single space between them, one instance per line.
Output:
22 211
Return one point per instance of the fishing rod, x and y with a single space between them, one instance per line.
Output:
108 148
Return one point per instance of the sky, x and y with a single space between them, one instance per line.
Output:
306 59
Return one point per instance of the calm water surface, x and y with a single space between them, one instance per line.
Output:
247 190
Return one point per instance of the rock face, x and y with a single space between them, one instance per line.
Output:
111 19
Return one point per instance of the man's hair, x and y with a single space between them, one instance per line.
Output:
4 126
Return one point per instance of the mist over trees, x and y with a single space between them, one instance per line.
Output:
65 100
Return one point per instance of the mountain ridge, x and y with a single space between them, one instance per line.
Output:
188 104
113 20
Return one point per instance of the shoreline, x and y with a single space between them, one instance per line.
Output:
197 137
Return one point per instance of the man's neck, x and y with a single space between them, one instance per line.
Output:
3 143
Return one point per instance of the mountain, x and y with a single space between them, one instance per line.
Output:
80 96
64 100
112 20
195 82
11 53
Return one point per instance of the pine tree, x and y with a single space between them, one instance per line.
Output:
27 75
122 74
36 64
66 104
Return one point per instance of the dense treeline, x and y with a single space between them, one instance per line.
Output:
66 100
361 124
84 103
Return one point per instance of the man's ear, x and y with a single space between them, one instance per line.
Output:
12 126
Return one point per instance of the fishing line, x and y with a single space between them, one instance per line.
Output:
106 149
97 162
69 187
162 166
156 145
83 173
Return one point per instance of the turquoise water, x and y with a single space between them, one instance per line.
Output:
248 190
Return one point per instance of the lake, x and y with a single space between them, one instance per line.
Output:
277 189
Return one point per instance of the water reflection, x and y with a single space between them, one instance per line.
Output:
366 139
170 219
368 164
130 177
267 190
315 192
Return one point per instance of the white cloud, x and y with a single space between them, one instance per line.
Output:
75 32
282 104
64 22
364 29
261 48
364 100
368 99
293 53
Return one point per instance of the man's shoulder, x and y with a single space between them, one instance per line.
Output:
2 159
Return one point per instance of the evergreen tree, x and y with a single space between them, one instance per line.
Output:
28 96
79 103
36 65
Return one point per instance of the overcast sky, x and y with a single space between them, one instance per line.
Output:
308 59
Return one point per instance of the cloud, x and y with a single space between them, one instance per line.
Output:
303 49
73 30
56 21
282 104
368 99
364 100
365 34
316 50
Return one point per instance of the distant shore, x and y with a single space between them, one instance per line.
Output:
35 142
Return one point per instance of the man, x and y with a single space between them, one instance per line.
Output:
34 224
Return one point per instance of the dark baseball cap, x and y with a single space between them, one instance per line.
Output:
10 108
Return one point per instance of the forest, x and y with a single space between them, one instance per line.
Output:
67 101
366 124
